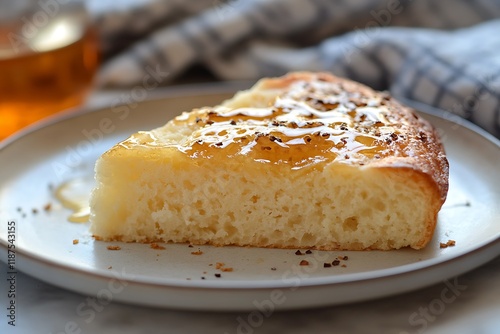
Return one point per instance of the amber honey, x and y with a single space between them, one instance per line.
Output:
46 74
294 130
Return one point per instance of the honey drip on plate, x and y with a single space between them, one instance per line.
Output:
74 195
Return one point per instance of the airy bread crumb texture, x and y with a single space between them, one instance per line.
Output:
157 191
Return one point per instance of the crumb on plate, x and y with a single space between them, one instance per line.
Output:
154 245
222 267
449 243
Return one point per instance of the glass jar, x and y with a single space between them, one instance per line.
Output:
48 57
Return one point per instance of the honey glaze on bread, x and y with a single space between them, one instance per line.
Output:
305 160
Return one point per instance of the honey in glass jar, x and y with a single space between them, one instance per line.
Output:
48 57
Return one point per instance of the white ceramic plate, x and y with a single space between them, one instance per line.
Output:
67 146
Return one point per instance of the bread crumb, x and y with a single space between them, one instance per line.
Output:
198 252
75 241
335 262
47 207
221 266
110 267
113 247
449 243
154 245
304 263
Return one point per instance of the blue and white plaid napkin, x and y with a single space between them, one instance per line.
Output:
443 53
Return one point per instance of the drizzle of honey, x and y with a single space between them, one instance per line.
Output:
312 122
74 195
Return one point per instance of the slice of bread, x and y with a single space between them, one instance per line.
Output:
307 160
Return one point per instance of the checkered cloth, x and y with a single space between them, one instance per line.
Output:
443 53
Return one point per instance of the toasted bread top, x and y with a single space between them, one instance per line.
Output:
307 120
